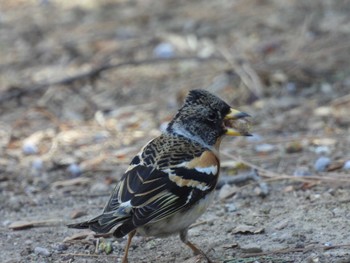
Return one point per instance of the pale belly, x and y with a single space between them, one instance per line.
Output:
178 222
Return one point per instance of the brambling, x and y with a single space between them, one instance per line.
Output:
171 181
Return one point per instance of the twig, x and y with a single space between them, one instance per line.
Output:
16 92
20 225
272 176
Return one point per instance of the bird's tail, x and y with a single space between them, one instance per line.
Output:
100 224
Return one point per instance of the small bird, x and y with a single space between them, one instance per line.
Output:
171 181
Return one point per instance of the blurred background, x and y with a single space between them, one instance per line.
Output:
84 84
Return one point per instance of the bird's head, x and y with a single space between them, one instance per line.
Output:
205 118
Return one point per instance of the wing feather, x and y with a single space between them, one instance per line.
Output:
154 188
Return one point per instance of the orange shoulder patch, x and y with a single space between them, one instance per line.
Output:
206 159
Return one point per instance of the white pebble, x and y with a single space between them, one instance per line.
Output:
29 148
230 208
74 169
42 251
346 165
322 163
302 171
164 50
322 150
37 164
264 148
328 244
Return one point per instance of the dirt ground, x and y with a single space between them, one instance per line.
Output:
84 84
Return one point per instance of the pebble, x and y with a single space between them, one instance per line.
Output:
37 164
28 242
42 251
74 169
302 171
264 148
291 87
346 166
322 163
29 148
164 50
322 150
230 208
60 247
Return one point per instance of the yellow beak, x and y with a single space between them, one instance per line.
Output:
236 124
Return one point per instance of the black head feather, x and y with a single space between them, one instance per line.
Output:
200 118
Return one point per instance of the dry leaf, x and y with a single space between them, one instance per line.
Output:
245 229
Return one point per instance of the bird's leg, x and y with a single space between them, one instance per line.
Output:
196 250
126 250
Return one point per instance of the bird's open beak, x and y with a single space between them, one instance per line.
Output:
236 124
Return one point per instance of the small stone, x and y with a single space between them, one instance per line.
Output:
322 163
60 247
37 164
230 208
42 251
264 148
302 171
291 87
328 244
322 150
29 148
74 169
28 242
346 166
164 50
326 88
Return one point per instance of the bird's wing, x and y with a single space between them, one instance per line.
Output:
150 193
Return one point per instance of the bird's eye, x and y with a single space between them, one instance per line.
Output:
212 116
